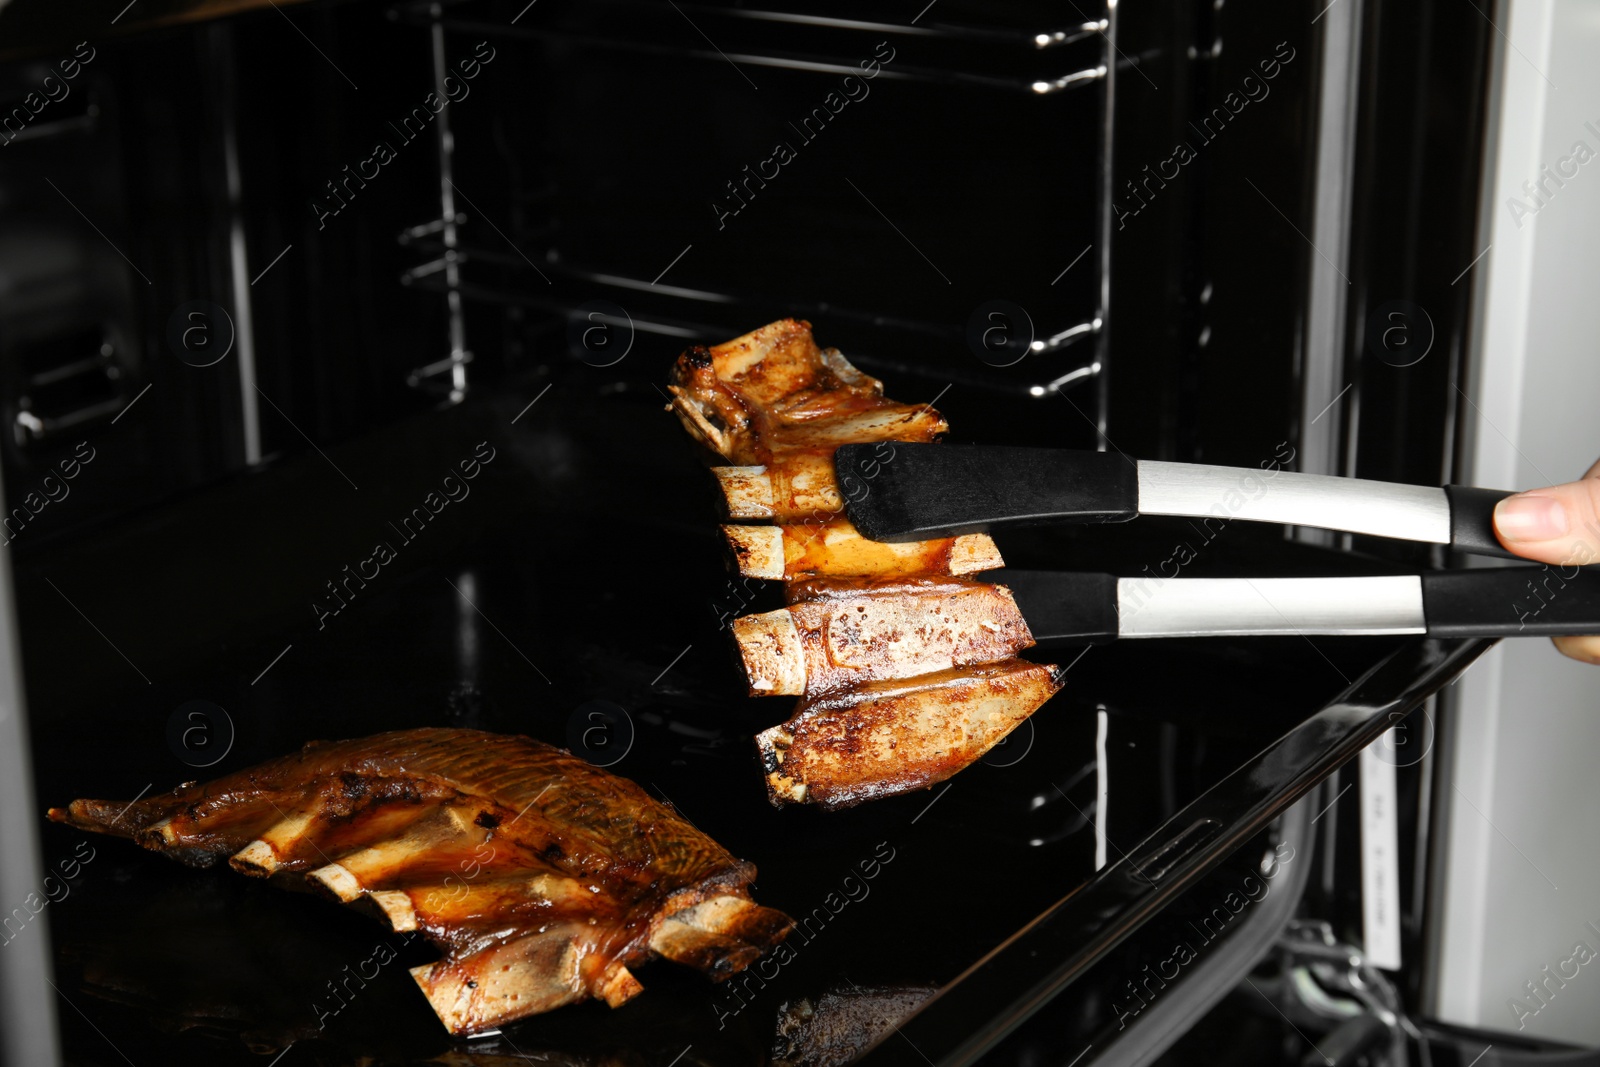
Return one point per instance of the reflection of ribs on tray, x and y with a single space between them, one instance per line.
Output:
906 672
543 879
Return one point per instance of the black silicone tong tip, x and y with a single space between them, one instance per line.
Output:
913 492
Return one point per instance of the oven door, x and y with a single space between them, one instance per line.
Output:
984 208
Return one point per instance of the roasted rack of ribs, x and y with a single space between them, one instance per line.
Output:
543 879
907 672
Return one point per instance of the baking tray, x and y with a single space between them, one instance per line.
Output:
584 566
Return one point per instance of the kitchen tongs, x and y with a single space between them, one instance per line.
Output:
912 492
1083 608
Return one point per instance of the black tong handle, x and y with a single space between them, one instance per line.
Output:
919 491
1472 520
1089 608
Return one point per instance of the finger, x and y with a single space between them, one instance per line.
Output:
1586 649
1559 525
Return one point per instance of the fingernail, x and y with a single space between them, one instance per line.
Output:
1531 518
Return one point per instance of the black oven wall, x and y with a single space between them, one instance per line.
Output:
453 196
156 206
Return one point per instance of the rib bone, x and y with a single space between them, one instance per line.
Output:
901 632
791 487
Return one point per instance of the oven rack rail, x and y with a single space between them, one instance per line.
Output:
934 29
565 286
442 272
1044 41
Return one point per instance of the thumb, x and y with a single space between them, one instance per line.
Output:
1586 649
1559 525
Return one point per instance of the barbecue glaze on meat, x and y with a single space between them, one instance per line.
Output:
905 669
833 549
543 879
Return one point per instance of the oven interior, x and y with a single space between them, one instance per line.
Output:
396 286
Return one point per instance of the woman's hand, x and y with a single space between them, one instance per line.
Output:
1560 526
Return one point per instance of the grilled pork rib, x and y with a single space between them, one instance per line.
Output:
544 879
906 670
772 394
897 630
889 737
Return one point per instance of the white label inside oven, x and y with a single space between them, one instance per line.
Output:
1380 855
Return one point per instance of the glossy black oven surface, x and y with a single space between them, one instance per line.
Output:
581 567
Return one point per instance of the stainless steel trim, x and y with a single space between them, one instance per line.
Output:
27 1003
1330 390
1221 607
1323 368
1386 509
